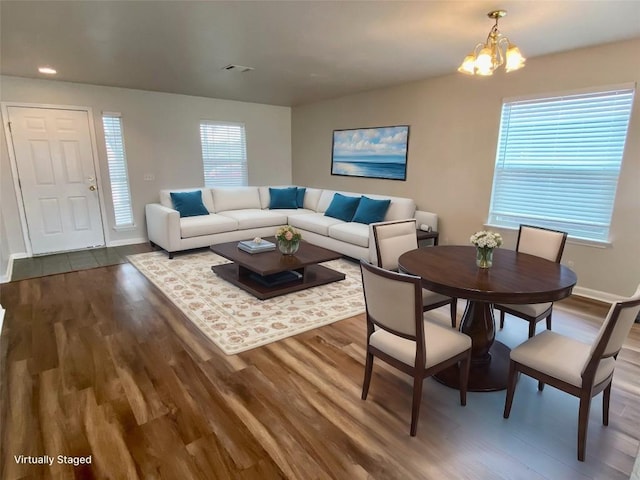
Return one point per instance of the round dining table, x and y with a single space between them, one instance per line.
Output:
514 278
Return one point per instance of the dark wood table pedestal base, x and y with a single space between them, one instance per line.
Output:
489 359
483 377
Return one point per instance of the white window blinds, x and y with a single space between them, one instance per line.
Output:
118 175
224 154
558 162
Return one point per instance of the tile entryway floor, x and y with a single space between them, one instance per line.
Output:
72 261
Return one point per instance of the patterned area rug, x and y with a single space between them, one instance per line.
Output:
235 320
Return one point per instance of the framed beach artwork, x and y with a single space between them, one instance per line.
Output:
379 152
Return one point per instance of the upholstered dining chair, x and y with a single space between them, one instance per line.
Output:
398 334
394 238
541 242
574 367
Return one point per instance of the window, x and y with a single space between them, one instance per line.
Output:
558 162
224 154
117 160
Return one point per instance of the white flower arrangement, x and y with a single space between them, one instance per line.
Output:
486 239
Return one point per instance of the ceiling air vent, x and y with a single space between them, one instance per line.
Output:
238 68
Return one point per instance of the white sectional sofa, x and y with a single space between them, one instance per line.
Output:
241 213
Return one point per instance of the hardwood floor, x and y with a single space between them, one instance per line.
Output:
98 362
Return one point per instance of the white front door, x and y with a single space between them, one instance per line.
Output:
57 177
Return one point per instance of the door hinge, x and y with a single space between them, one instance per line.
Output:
9 123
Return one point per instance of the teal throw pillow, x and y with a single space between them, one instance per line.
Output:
370 210
189 204
342 207
300 197
283 197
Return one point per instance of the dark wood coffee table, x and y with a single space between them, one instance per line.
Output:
264 275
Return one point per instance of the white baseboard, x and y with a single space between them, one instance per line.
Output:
596 295
7 275
129 241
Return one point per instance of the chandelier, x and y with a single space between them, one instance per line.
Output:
496 51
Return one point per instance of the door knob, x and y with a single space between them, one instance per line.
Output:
92 188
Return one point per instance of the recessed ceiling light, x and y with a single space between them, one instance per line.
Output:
47 70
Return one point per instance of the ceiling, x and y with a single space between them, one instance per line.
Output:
302 51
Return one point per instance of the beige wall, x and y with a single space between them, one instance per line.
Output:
454 123
162 138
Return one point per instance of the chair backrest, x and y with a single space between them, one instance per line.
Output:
393 301
616 327
392 239
541 242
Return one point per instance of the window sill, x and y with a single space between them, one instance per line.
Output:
571 240
125 228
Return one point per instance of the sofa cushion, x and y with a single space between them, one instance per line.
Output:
300 196
314 222
342 207
399 209
370 210
206 225
189 204
325 199
255 218
283 197
207 199
355 233
235 198
265 197
293 211
311 198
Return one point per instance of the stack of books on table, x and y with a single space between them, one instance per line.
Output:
250 246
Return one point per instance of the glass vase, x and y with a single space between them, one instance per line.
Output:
484 257
288 247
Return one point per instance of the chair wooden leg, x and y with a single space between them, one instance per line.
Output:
606 397
549 322
511 388
583 423
532 328
501 319
368 368
454 312
464 367
415 407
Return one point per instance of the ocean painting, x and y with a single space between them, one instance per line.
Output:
371 152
